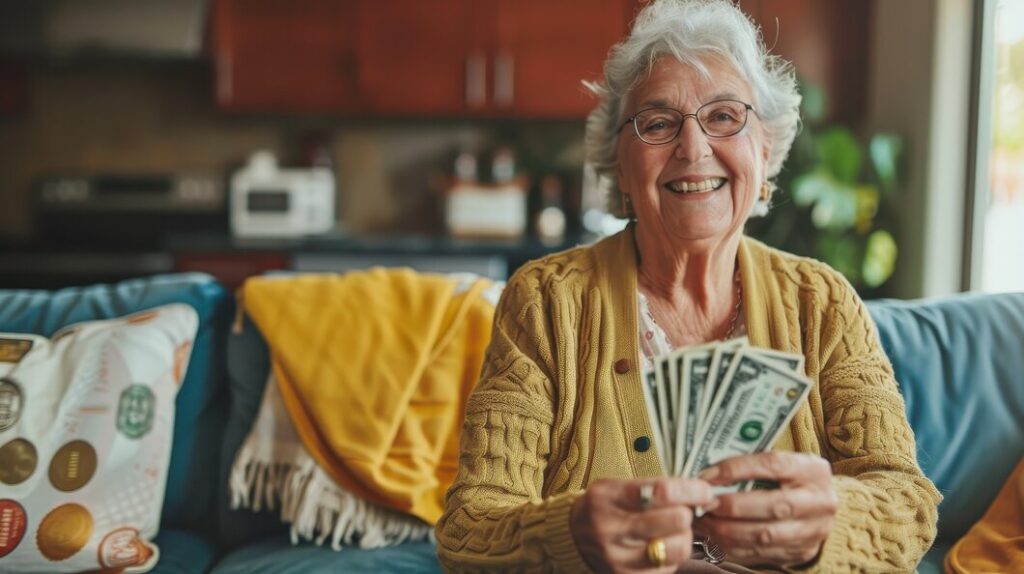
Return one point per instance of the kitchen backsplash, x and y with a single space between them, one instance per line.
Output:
145 117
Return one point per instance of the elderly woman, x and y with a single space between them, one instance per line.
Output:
556 472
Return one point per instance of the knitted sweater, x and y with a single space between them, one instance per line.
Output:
559 406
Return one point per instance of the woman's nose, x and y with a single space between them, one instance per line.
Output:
692 143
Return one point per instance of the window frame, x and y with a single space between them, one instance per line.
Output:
979 147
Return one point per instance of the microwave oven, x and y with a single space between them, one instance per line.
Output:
268 201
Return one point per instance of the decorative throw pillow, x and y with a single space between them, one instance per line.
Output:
85 439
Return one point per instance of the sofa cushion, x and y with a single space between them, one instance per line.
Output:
959 363
183 552
87 434
248 365
277 556
192 481
934 561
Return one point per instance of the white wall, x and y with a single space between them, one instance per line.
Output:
920 88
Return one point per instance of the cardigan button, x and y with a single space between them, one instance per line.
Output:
622 366
642 444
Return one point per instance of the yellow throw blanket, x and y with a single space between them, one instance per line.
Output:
374 369
996 542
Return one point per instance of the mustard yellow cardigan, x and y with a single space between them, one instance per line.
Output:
554 411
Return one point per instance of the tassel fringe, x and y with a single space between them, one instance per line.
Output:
316 507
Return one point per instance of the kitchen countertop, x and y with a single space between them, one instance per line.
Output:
26 264
379 244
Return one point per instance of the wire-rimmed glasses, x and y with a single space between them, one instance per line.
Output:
717 119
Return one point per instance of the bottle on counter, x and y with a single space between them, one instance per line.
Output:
550 222
465 168
503 165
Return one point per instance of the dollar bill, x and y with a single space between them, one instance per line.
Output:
714 401
649 387
693 367
752 407
720 362
792 361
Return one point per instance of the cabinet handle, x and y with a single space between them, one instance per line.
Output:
504 79
476 80
224 73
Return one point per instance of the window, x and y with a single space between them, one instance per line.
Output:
996 256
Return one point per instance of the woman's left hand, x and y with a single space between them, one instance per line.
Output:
784 527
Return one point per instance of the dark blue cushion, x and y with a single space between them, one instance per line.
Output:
277 556
184 552
248 365
960 365
201 404
934 561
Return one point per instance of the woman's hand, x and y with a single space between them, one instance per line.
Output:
784 527
612 526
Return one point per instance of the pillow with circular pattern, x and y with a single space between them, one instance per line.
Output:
86 419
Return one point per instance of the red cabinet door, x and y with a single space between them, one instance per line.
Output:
285 55
544 49
828 43
421 58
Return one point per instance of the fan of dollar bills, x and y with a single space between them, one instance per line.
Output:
715 401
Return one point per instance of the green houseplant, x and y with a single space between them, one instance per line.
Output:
836 199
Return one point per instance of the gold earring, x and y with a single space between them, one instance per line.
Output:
766 191
627 205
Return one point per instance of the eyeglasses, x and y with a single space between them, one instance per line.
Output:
717 119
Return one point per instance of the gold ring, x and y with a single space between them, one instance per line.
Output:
657 552
646 495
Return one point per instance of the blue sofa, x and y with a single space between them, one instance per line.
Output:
959 361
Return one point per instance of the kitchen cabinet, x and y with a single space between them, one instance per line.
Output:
421 58
501 58
828 43
285 56
544 49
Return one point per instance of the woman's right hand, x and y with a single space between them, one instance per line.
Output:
612 526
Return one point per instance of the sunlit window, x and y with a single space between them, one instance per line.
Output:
1002 266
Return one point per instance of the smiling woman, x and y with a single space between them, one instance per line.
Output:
557 470
693 187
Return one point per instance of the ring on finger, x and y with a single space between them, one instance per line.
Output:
646 495
657 552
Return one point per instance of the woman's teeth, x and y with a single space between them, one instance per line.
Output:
710 184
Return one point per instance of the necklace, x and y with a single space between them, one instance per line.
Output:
735 312
739 303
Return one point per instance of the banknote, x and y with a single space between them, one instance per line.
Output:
693 367
649 387
752 407
718 400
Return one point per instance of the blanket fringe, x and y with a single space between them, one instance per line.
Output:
316 507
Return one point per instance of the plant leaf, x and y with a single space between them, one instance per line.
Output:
879 258
885 150
867 207
808 187
842 253
836 208
840 154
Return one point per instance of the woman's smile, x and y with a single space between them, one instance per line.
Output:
695 185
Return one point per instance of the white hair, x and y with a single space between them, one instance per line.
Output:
691 31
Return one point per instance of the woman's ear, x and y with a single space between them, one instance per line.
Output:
766 150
